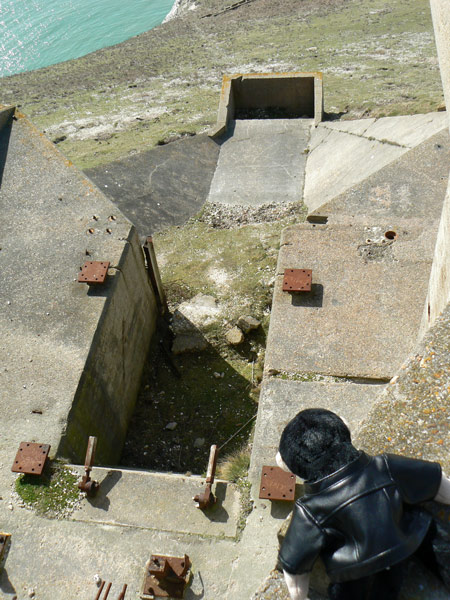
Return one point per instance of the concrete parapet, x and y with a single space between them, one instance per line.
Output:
299 94
71 355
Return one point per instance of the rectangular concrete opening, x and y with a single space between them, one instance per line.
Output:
264 97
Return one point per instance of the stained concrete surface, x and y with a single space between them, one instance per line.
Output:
140 499
163 186
412 187
343 154
261 162
363 313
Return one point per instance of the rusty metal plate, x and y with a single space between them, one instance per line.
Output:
93 272
30 458
297 280
277 484
165 576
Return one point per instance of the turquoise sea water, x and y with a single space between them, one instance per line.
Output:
38 33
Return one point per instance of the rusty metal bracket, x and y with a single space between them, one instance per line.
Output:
30 458
277 484
166 576
87 484
93 272
5 544
297 280
206 498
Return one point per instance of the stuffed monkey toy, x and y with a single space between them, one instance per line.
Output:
361 514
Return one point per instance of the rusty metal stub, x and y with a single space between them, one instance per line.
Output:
93 272
297 280
166 576
276 484
5 544
30 458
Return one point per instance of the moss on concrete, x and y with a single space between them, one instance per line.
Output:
53 494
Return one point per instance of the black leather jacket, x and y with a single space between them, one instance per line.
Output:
361 519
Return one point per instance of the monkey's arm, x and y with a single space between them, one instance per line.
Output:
298 585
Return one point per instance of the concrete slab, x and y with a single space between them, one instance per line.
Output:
362 317
357 126
163 186
409 130
412 187
139 499
59 559
282 399
261 162
340 161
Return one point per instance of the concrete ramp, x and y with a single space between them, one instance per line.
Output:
261 161
343 154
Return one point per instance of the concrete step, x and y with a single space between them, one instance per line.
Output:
145 500
364 311
261 162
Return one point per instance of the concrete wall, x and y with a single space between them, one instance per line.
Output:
105 398
439 288
301 94
71 355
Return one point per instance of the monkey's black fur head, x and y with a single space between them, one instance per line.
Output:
316 443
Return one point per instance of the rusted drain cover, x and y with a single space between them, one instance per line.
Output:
297 280
276 484
30 458
93 272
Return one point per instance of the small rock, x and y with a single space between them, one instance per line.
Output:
217 375
199 442
171 426
234 336
31 593
189 343
248 323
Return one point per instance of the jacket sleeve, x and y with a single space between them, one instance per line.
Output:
302 544
417 480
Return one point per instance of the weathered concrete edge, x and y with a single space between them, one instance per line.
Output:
107 390
439 288
227 104
5 115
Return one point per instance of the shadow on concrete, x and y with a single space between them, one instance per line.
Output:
101 500
191 594
217 513
313 299
163 186
5 584
280 510
334 116
5 134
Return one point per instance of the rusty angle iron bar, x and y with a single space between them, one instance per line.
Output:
206 498
87 484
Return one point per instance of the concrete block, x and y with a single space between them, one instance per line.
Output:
299 94
362 317
142 499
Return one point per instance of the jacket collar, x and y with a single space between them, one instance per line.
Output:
314 487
